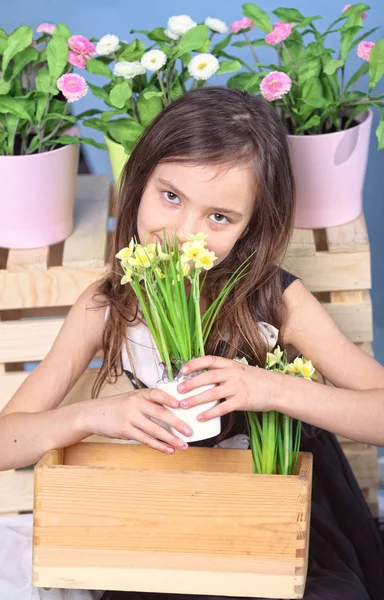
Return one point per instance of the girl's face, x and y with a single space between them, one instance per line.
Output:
183 199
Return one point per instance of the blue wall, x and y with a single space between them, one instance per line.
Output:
95 18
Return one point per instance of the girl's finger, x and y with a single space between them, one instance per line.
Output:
151 442
207 378
216 393
217 411
167 417
205 362
160 397
156 431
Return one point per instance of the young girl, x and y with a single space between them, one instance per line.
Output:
216 161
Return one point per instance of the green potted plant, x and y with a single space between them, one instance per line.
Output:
168 283
144 78
39 143
327 118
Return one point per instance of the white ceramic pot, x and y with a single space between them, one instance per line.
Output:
200 431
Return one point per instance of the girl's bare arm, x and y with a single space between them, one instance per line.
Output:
31 423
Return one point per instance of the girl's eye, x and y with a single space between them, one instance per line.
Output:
218 218
171 197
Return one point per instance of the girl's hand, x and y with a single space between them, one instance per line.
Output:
129 417
243 387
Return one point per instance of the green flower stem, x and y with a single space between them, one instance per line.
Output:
290 58
166 102
198 326
252 49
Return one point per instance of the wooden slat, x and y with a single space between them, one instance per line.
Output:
302 243
363 461
351 237
87 244
16 490
327 272
59 286
27 340
354 319
34 259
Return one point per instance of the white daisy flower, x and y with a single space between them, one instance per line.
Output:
203 66
171 35
180 24
153 60
216 25
107 45
128 69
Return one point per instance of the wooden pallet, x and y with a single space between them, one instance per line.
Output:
45 282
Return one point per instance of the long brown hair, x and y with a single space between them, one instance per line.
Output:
223 126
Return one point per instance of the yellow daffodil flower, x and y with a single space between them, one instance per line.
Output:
205 260
125 253
185 268
197 237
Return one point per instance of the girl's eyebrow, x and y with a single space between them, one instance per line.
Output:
170 185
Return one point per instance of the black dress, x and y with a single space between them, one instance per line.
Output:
346 551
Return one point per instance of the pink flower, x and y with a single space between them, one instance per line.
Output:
72 86
46 28
77 60
81 45
275 85
364 15
364 50
244 23
280 33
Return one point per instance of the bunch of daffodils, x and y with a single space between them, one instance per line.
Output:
168 283
274 447
141 79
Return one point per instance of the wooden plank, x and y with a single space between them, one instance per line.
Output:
327 272
87 245
27 340
58 286
16 490
302 243
363 461
354 319
34 259
351 237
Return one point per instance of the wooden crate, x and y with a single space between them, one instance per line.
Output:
124 517
45 282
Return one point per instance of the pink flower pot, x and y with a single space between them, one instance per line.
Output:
329 171
37 196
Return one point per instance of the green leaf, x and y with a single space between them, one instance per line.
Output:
308 69
148 95
347 36
143 31
133 51
57 54
244 82
41 103
205 47
376 64
107 115
43 80
303 24
221 45
88 113
332 66
228 66
158 35
192 39
17 41
177 89
14 106
148 108
258 16
258 42
119 94
73 139
312 122
98 124
289 15
62 30
96 66
364 36
124 130
12 123
100 92
380 133
5 86
3 41
312 93
186 58
22 59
